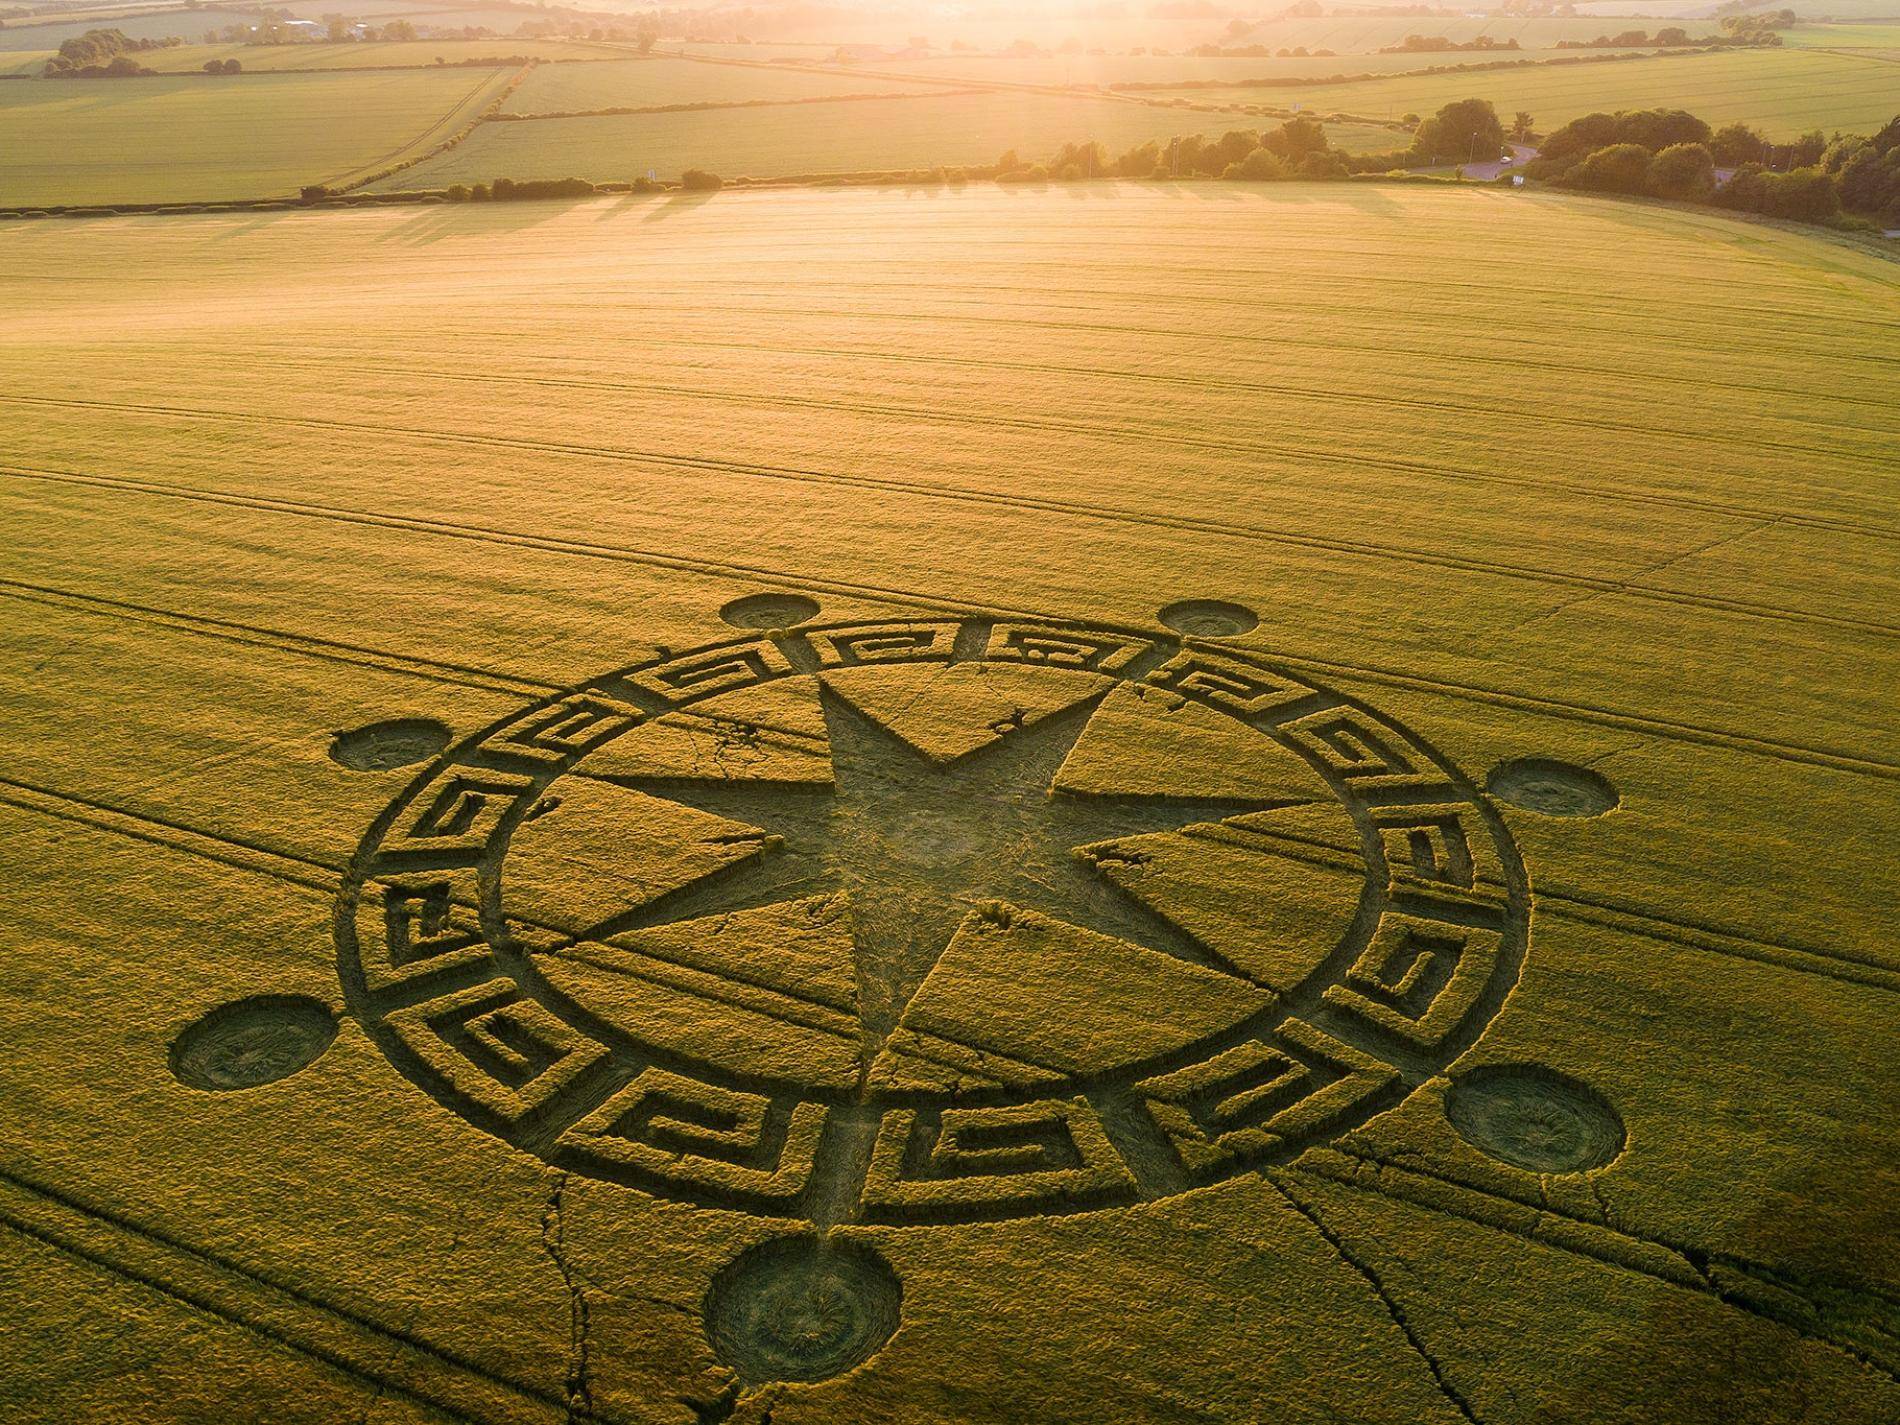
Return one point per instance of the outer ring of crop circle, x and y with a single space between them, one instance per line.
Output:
1486 824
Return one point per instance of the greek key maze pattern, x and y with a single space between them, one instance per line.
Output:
445 982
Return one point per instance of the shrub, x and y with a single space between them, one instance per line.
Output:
643 185
458 192
1620 168
698 180
1260 166
1684 170
313 193
1807 195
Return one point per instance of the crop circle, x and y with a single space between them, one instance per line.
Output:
768 611
802 1309
251 1042
380 746
1534 1118
1552 788
1209 618
943 962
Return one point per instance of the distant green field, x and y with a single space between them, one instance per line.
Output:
187 24
844 137
649 83
1106 70
1850 36
189 140
1350 34
1783 92
420 54
23 61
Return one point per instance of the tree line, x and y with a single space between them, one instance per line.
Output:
1669 153
102 54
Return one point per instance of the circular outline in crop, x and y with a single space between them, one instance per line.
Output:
1208 618
1535 1118
769 611
271 1037
409 739
802 1308
456 818
1546 786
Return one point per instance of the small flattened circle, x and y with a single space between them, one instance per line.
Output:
379 746
1209 618
802 1309
769 611
253 1041
1551 788
1535 1118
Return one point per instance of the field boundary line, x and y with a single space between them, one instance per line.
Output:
340 1338
233 851
503 85
949 494
1845 966
707 105
460 675
796 582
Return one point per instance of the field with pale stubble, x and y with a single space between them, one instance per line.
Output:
1099 803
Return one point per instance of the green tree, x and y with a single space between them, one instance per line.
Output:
1466 131
1735 145
1684 170
1521 126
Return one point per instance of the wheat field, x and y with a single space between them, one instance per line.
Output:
1467 687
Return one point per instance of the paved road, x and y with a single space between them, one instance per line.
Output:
1521 154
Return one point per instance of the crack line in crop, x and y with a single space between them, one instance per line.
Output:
1333 1240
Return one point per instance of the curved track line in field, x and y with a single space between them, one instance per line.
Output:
253 858
1590 584
1571 904
1723 318
339 1337
1658 340
727 986
1516 364
1594 714
252 635
226 850
1849 967
1114 432
1425 1188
